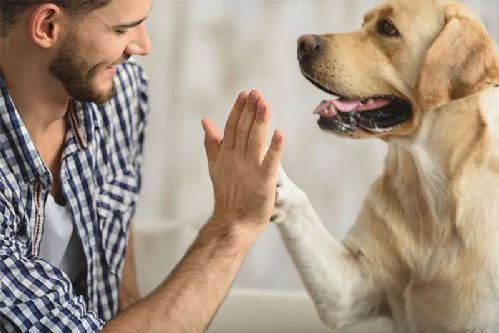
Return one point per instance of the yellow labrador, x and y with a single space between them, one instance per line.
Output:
422 76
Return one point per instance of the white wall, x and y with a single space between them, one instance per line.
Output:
204 53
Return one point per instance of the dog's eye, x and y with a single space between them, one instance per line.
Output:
386 28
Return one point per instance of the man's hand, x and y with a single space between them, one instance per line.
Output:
242 170
243 173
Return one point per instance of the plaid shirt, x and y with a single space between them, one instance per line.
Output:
100 176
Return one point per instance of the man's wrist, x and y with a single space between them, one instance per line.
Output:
236 235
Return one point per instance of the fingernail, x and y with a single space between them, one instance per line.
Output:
278 135
254 95
260 107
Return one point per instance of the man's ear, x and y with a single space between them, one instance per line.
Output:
45 24
462 60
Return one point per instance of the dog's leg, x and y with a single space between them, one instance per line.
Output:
342 291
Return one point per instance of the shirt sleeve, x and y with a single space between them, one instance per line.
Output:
34 296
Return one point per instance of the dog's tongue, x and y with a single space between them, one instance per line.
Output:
355 105
331 107
347 105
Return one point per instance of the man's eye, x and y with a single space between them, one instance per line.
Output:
386 28
120 31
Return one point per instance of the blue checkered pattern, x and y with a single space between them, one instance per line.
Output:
100 178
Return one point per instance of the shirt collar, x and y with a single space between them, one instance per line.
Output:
20 152
80 121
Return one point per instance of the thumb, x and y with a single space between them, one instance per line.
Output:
272 159
212 140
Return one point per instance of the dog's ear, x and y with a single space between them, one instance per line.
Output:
462 60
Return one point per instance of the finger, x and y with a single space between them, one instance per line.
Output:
212 140
273 156
258 133
246 122
233 121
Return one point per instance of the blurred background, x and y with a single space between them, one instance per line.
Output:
204 53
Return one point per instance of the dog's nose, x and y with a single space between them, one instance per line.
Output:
308 46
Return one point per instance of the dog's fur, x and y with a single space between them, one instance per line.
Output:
425 248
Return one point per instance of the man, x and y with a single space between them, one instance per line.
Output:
72 118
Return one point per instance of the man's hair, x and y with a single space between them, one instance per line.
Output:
12 10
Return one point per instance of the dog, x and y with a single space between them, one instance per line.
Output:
423 76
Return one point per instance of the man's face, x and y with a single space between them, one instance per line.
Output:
86 61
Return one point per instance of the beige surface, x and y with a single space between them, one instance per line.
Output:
263 311
252 311
158 249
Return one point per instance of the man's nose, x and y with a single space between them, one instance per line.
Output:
140 44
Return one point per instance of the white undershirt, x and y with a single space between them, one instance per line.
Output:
60 244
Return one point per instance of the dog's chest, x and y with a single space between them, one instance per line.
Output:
452 276
457 292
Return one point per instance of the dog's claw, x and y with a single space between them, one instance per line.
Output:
288 197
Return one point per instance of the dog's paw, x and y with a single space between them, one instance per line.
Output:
289 198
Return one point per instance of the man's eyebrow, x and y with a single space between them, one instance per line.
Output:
128 25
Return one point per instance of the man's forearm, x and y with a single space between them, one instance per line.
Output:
192 294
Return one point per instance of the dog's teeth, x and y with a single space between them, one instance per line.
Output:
331 110
367 100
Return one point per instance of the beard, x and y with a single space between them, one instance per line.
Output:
77 75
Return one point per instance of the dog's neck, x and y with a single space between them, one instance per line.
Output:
452 143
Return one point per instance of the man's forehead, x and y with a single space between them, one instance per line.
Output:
123 11
32 1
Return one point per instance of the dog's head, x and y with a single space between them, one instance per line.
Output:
408 58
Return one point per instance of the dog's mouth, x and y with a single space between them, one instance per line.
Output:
373 114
